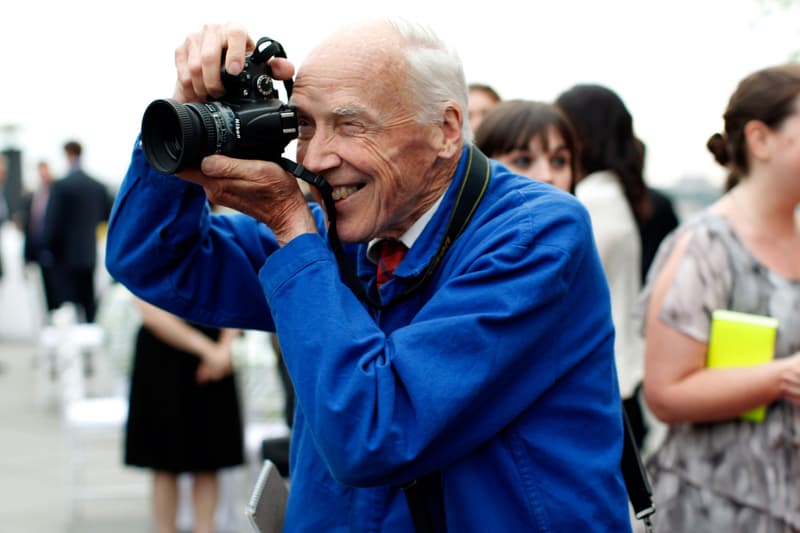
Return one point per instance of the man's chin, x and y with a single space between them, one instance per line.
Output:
345 234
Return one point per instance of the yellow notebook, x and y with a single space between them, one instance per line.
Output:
741 339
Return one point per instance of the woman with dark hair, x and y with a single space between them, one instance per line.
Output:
717 471
611 186
533 139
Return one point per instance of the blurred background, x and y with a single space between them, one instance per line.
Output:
86 71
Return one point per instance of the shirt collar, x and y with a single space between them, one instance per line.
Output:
411 235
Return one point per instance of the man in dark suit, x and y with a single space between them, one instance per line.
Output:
78 204
33 209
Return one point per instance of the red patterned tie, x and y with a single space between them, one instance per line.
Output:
390 253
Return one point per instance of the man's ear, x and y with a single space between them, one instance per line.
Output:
451 140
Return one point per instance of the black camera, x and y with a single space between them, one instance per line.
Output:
250 122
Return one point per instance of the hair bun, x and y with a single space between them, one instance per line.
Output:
718 145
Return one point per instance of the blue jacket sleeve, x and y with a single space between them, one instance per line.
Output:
166 246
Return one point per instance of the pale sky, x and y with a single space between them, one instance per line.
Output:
87 70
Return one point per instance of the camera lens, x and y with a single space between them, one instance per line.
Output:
176 136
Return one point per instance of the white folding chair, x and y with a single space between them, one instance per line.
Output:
93 425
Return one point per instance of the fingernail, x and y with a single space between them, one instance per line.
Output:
235 67
207 165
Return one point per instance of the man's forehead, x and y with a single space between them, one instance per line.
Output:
356 102
349 81
368 44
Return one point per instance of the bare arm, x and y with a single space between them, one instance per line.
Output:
215 357
679 388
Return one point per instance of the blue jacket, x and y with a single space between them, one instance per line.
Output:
499 374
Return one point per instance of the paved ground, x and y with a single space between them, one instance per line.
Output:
34 454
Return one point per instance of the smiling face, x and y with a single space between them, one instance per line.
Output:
542 159
359 130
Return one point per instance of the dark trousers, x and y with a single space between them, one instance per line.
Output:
49 286
75 285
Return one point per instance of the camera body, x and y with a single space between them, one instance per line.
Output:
249 122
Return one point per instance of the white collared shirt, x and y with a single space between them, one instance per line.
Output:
411 235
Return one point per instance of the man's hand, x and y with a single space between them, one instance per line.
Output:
260 189
198 61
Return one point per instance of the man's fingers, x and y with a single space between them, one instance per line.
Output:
210 59
185 86
198 61
282 68
194 175
238 45
220 166
223 168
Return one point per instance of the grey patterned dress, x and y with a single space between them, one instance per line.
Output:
734 476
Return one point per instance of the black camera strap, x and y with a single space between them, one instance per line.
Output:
469 196
266 49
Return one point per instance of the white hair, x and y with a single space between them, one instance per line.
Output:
435 73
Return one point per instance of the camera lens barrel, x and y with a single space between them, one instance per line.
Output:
177 136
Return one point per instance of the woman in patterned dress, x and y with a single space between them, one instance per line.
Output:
716 472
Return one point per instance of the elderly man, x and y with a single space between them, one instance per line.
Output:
492 384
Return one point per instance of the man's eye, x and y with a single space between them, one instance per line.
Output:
304 128
352 127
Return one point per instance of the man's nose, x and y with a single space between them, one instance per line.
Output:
318 153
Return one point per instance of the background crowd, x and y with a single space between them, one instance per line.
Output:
711 469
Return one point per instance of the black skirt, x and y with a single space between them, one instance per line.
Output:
174 423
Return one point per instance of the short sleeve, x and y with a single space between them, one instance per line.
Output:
702 282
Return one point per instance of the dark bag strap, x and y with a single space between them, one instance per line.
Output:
425 501
640 494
